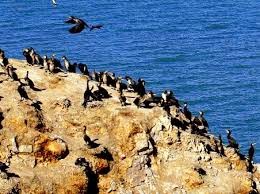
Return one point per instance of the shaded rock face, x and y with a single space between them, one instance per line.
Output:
137 150
1 119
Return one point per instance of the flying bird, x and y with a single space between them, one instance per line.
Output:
80 24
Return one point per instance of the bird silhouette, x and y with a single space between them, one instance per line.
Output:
80 24
231 140
251 152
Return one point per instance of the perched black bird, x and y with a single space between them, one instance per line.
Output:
3 60
103 92
22 92
90 143
175 121
67 64
95 76
203 120
253 188
80 24
201 171
122 98
251 152
167 109
55 61
221 151
137 102
98 26
3 167
36 58
26 53
140 87
232 142
29 82
120 85
88 94
83 69
186 111
32 56
250 166
11 73
131 83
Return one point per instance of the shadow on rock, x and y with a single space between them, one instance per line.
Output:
92 187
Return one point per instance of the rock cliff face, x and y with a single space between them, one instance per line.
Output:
140 151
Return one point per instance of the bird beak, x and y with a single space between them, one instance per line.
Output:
253 144
227 131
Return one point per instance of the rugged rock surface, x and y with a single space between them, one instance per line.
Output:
41 138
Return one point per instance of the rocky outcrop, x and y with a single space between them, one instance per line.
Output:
135 150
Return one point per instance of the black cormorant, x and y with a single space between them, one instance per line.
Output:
251 152
232 142
186 111
80 24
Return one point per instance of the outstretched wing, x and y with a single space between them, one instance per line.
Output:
80 21
70 21
77 29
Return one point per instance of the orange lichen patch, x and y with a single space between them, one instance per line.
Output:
102 166
50 150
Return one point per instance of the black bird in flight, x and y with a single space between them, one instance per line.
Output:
80 24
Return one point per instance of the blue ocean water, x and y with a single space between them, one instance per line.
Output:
207 52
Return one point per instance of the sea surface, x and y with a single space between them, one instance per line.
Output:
207 52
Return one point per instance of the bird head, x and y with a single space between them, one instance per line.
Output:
71 17
228 131
201 113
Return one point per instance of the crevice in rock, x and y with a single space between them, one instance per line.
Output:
1 119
